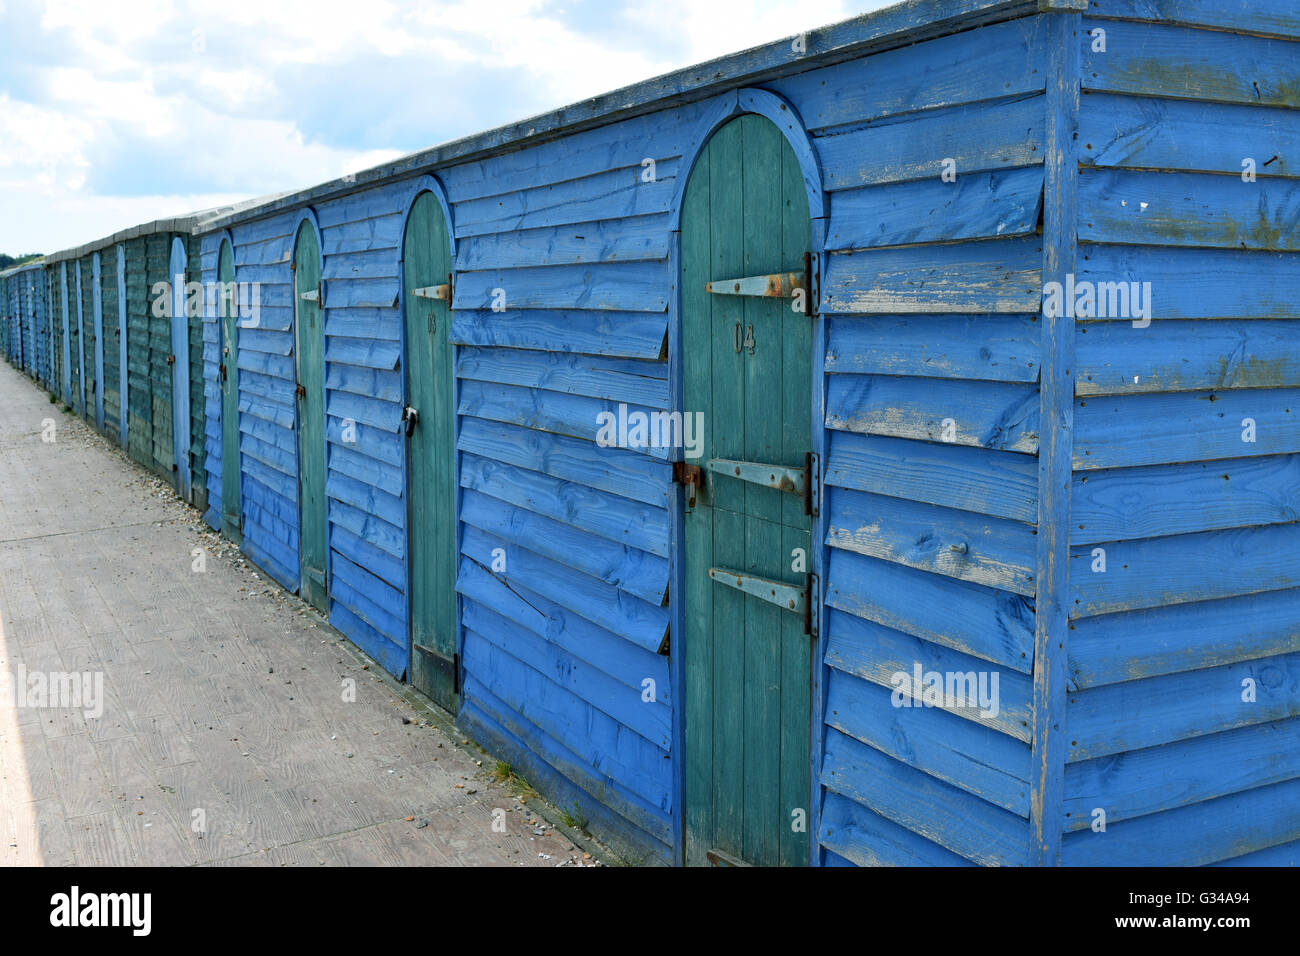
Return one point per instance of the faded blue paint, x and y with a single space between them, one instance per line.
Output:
97 304
180 342
121 343
957 498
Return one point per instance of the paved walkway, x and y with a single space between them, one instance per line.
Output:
224 736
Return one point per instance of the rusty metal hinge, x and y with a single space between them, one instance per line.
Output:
811 606
301 390
222 369
811 286
692 476
171 360
812 488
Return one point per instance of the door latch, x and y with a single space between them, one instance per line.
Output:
410 417
692 476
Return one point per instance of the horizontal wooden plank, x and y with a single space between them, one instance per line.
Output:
974 206
935 810
878 654
1137 714
1277 17
639 573
1164 60
609 378
1156 779
1114 358
1198 283
620 520
574 415
1188 209
636 239
624 473
996 625
1118 432
1227 827
972 479
1162 134
611 697
603 287
974 138
611 194
1181 568
989 765
976 414
640 335
997 61
993 275
640 622
1182 637
960 544
1126 503
993 348
856 835
598 647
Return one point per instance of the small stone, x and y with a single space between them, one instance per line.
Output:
408 819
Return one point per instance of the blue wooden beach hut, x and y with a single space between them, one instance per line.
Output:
875 447
25 319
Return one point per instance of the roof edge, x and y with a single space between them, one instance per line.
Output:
898 25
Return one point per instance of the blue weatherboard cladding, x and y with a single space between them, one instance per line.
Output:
958 536
1199 603
25 315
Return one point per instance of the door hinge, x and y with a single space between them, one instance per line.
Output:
410 418
812 605
811 284
301 390
812 486
171 360
692 476
222 369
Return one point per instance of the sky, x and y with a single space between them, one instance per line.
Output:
113 114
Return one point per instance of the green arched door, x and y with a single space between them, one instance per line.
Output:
232 513
430 418
309 344
746 359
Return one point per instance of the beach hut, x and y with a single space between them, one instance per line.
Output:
875 447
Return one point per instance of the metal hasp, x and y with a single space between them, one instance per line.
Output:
692 476
442 292
779 285
789 597
786 478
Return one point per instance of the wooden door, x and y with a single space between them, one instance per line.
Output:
180 363
309 346
431 474
232 517
747 550
97 299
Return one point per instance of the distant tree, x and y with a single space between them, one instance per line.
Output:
8 261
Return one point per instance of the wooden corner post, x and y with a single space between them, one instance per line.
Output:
1056 439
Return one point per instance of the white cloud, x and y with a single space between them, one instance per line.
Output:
109 119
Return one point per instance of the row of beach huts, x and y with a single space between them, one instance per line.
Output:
881 446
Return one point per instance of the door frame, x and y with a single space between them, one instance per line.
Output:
785 117
308 215
417 188
123 380
97 306
180 372
225 238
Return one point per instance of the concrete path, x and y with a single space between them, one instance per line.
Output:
225 736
